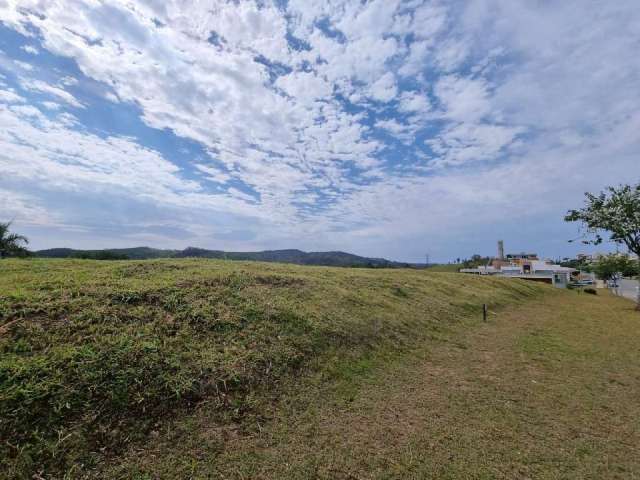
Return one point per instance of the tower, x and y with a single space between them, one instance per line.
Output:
500 250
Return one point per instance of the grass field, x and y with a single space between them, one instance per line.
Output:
100 355
547 390
446 268
213 369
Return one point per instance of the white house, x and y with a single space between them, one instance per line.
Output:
535 270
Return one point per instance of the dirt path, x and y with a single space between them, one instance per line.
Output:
548 390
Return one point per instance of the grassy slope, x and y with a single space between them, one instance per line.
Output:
96 357
547 389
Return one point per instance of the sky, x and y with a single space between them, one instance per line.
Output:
385 128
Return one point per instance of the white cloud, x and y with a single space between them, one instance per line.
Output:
305 87
51 105
24 65
43 87
451 54
414 102
385 88
403 132
466 143
69 81
23 209
217 94
54 156
213 174
463 99
10 96
415 60
30 49
27 111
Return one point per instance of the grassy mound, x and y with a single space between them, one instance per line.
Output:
93 355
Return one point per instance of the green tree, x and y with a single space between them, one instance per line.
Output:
616 212
614 265
12 244
630 268
476 261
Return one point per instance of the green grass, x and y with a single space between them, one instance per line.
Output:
97 357
547 389
446 268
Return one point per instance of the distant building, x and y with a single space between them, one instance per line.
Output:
526 266
514 257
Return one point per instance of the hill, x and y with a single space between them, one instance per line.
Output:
330 259
135 253
100 358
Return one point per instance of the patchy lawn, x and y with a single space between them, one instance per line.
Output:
548 389
213 369
101 360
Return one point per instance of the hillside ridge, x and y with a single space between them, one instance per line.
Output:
295 256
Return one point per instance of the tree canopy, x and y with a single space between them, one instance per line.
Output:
12 244
613 265
615 211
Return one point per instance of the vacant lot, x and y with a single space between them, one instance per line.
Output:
101 359
548 389
191 369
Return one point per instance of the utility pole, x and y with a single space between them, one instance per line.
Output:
426 263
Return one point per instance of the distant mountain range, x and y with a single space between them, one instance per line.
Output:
332 259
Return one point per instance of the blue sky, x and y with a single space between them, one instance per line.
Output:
386 128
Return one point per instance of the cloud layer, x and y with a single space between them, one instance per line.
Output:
373 126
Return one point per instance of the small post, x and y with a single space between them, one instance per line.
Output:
484 312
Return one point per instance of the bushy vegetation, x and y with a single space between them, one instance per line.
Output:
446 267
12 244
476 261
100 255
94 354
577 263
614 265
614 212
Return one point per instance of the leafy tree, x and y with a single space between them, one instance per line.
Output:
578 264
476 261
630 268
612 266
12 244
615 211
